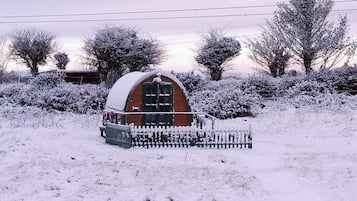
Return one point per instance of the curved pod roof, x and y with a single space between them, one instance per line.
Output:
122 89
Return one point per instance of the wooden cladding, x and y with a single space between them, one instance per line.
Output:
176 97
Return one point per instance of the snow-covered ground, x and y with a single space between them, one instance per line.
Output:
300 155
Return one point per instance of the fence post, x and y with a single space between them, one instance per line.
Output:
250 138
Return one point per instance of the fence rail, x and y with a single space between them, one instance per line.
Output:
179 137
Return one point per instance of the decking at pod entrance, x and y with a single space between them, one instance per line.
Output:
151 110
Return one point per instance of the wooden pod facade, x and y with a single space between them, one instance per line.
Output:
149 98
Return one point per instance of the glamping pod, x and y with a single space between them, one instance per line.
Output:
148 99
151 109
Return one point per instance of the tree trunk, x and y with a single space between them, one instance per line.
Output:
281 71
273 69
216 73
34 70
308 63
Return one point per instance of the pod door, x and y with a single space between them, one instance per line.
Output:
157 97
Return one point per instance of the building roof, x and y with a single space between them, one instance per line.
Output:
122 88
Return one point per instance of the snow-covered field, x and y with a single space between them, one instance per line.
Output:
300 155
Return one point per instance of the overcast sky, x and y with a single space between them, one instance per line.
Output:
180 36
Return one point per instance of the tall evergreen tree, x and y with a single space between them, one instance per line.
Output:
302 26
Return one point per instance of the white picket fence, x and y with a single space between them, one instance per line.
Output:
187 136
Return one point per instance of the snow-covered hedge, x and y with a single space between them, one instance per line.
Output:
224 99
190 81
233 97
340 79
320 102
227 98
48 80
51 93
264 85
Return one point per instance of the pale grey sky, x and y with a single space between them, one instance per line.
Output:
180 37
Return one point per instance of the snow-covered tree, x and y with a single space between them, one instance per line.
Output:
114 50
61 60
3 57
32 47
215 51
302 26
270 53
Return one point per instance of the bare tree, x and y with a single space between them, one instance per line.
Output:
61 60
32 47
114 50
216 50
269 52
302 26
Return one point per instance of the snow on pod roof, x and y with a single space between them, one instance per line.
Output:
121 90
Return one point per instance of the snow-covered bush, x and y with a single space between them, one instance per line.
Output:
347 79
190 81
75 98
224 99
8 92
225 104
321 102
264 85
309 88
284 84
229 83
63 97
48 79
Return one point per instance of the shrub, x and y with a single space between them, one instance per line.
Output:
230 83
223 99
75 98
190 81
347 79
262 84
48 79
309 88
63 97
320 102
286 83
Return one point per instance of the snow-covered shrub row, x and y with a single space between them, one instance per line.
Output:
262 84
190 81
48 80
320 102
224 99
336 80
308 88
347 79
51 93
233 97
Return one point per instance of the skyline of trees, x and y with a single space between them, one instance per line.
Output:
314 43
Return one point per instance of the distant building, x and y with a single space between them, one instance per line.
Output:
82 77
